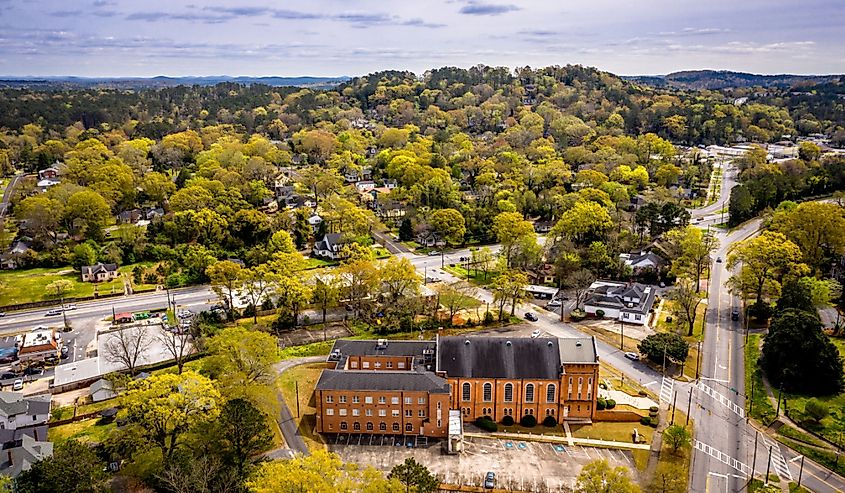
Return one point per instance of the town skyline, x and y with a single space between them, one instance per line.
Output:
112 38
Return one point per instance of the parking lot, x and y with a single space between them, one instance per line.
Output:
519 465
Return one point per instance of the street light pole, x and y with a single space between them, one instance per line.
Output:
622 342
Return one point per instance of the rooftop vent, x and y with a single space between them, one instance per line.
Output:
577 343
508 343
381 344
466 342
550 344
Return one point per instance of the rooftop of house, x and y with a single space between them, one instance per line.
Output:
424 381
15 403
37 338
20 455
632 297
499 357
578 350
98 267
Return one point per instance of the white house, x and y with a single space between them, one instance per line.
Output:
315 221
642 261
627 302
18 411
99 272
331 246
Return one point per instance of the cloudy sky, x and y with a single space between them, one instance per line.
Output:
353 37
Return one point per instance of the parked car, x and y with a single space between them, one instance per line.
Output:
2 314
70 307
18 385
531 317
32 370
735 314
632 356
719 260
535 334
65 352
555 303
490 480
433 253
185 314
8 376
53 312
51 360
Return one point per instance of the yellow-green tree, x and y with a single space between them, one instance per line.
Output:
817 228
225 278
766 260
166 406
600 477
320 472
510 229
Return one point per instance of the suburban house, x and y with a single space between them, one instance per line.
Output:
39 344
430 239
643 261
543 226
99 272
544 274
130 217
409 387
19 411
389 209
315 221
154 213
11 258
541 292
20 454
51 173
330 246
627 302
47 183
365 186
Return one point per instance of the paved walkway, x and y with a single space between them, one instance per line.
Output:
624 398
586 442
289 426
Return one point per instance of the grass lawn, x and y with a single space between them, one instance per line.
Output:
761 407
306 376
618 381
88 431
66 412
619 432
473 276
316 263
26 286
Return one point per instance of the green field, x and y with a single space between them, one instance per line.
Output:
27 286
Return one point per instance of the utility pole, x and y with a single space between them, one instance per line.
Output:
801 471
296 387
754 460
780 393
622 342
768 466
689 407
751 404
664 359
675 406
698 360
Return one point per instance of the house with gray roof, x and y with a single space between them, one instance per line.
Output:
626 302
19 455
17 410
330 246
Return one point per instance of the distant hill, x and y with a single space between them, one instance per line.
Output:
723 79
163 81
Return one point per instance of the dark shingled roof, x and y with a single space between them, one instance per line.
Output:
349 347
499 357
382 380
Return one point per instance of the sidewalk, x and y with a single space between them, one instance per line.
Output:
586 442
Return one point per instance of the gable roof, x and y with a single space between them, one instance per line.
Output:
98 268
20 455
611 294
15 403
499 357
382 380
